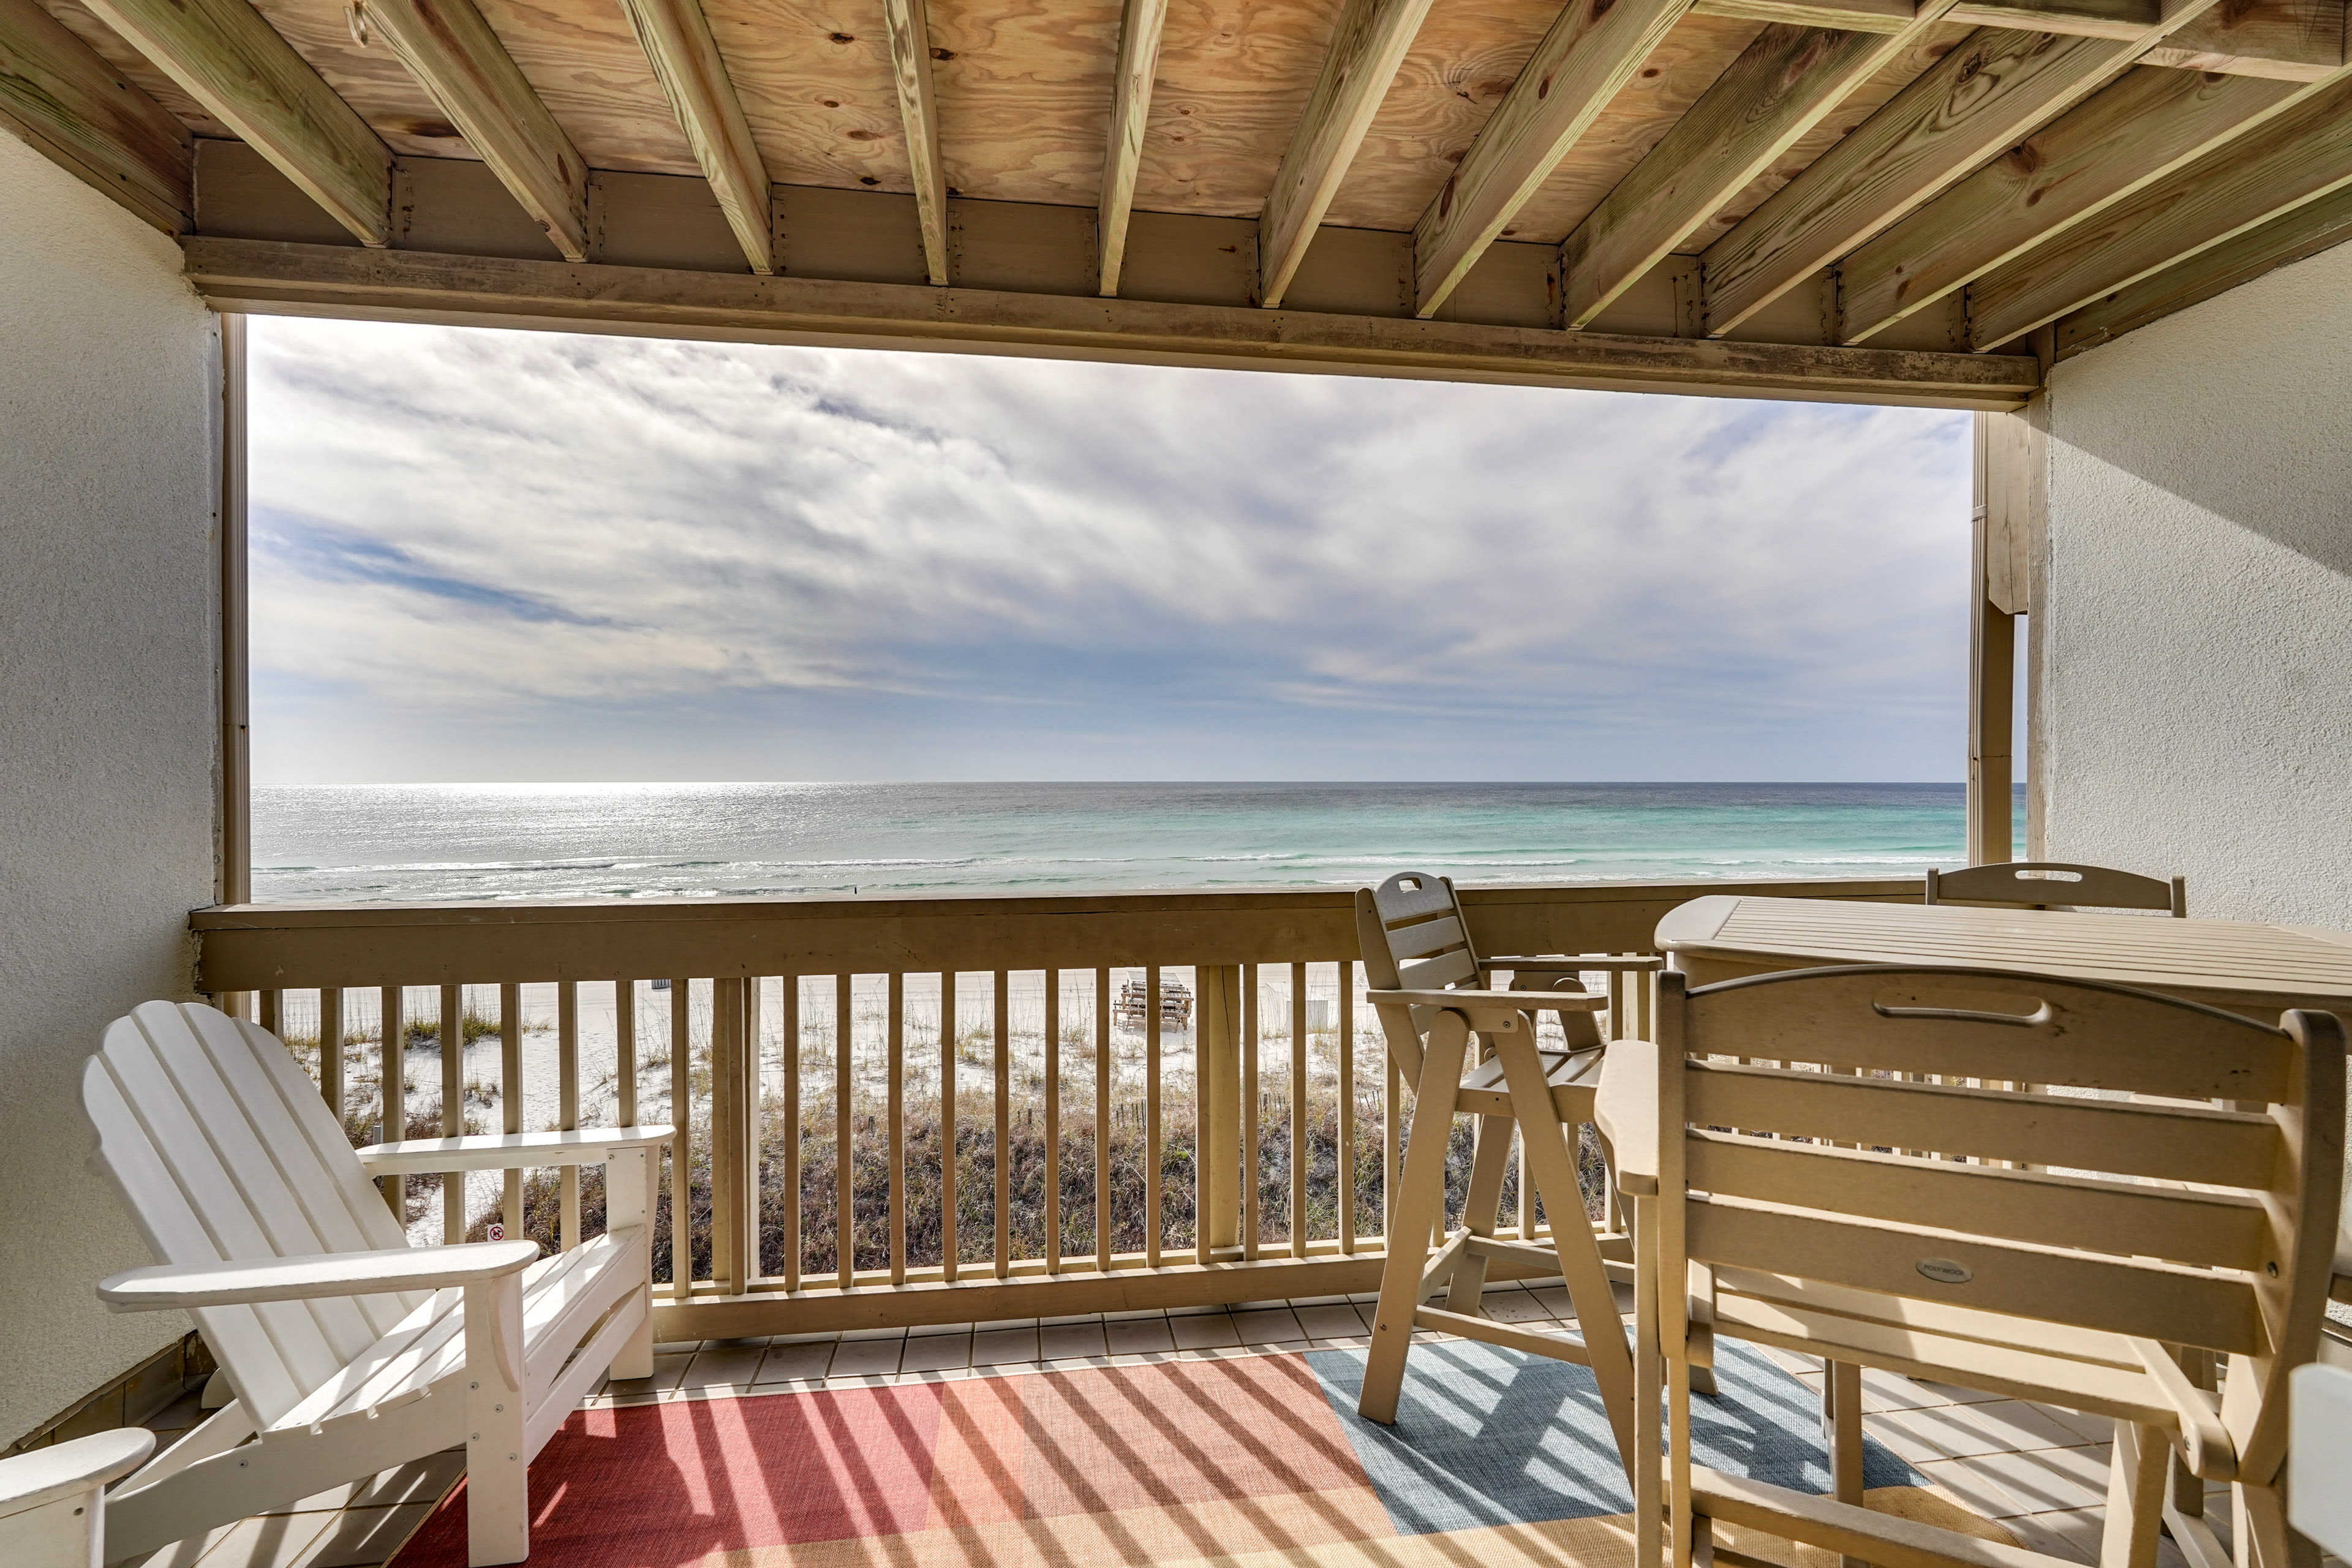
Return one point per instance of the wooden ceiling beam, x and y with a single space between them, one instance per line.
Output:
1971 106
676 37
1368 46
225 56
1847 16
455 56
2292 40
2295 157
911 74
1780 87
2143 128
1591 52
1139 26
70 105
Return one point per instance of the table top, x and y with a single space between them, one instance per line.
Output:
2223 961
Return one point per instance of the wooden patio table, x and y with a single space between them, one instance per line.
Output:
2245 966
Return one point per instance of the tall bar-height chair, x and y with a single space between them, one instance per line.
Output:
1427 983
2058 881
2198 1216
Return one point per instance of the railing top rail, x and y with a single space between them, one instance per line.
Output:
248 947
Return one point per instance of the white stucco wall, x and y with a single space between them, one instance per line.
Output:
2196 622
109 398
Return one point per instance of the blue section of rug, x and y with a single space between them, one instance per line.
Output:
1491 1437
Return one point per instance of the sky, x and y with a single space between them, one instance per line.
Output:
506 556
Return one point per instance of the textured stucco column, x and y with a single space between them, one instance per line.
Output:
109 410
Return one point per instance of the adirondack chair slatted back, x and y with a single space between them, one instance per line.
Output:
1412 937
224 1150
1813 1183
2058 882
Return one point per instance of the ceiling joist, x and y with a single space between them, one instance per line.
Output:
459 60
61 96
2296 157
676 37
1591 51
223 54
1368 46
1783 85
1130 107
910 76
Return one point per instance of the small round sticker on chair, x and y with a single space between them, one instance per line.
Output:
1945 1270
498 1232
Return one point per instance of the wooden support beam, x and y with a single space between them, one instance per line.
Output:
225 56
1782 86
2295 157
2289 237
2291 40
1996 596
1975 103
1367 46
910 73
455 57
1591 51
416 285
1131 106
676 37
2143 128
67 103
1850 16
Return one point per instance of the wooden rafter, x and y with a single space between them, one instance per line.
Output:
1591 52
676 37
2292 40
1978 100
1131 106
1848 16
1779 88
402 284
911 75
2295 157
59 95
1367 46
2138 131
455 57
225 56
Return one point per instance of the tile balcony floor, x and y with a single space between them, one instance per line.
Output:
2038 1470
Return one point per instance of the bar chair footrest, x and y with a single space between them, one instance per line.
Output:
1854 1531
1510 1336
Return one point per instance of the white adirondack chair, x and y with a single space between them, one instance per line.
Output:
53 1500
350 1351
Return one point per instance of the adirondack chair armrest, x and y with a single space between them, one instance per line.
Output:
1626 1109
508 1151
1517 1001
66 1469
245 1281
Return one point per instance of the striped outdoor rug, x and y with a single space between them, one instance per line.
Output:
1256 1461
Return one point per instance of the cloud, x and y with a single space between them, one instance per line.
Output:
628 559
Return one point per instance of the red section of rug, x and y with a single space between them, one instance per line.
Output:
664 1485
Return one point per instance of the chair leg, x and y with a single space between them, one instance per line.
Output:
498 1471
2136 1486
1648 1469
2261 1533
1481 1210
629 1201
1841 1429
1420 1204
1554 1169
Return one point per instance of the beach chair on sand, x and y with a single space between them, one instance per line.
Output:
1426 982
350 1351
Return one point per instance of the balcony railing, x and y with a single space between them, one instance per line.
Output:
1043 1105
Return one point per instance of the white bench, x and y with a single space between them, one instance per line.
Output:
350 1351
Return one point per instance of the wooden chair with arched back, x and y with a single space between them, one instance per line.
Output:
2044 883
1429 986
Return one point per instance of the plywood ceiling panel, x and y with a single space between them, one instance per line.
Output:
1232 82
1023 96
371 79
586 66
814 79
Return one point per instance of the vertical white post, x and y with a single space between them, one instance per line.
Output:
498 1486
630 1177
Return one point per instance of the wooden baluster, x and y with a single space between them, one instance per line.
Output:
1102 1120
844 1163
754 1063
681 1148
511 1101
1252 978
1003 1161
896 1091
391 1090
331 1050
1053 1121
453 1106
948 1239
1347 1009
1299 1111
789 1051
625 1055
567 1111
1151 1116
726 1134
1392 1140
271 1002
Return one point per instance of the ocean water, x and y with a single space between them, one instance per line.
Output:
414 843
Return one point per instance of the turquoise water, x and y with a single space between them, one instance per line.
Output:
408 843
